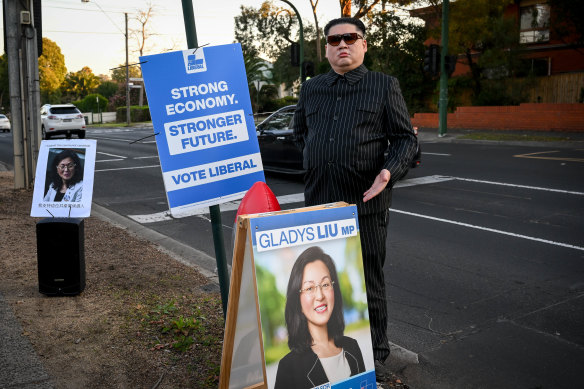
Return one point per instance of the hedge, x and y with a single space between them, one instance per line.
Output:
137 114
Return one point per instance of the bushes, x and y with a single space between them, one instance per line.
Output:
137 114
89 103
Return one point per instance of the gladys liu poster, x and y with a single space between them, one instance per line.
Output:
64 179
312 299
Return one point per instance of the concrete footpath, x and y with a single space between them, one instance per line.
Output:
20 366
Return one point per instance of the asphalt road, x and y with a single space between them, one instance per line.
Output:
485 272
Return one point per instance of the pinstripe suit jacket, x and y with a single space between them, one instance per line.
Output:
344 124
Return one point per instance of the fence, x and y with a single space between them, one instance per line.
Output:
103 117
539 117
559 88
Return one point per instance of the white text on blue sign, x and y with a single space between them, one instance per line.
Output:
211 172
309 233
205 132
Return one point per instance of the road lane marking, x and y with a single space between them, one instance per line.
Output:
519 186
149 156
489 229
111 155
536 156
286 199
110 160
440 154
126 168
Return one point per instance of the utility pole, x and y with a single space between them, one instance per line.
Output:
23 80
127 75
443 108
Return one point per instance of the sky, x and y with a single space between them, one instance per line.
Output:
92 33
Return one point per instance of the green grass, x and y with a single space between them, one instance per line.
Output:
513 137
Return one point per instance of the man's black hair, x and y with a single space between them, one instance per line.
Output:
354 21
299 338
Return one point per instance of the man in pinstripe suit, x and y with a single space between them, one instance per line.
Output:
344 122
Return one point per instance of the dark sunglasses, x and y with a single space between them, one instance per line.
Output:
349 38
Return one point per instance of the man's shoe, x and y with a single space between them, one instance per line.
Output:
382 373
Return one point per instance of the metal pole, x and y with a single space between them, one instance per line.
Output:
302 76
443 74
12 32
214 210
127 75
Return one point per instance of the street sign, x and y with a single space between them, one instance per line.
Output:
203 122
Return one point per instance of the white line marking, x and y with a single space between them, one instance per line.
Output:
287 199
111 155
116 139
110 160
440 154
489 229
520 186
126 168
150 156
422 181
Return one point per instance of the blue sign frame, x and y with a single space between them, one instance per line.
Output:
203 121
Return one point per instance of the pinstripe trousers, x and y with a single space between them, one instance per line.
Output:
373 231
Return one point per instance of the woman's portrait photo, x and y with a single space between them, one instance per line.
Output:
64 182
315 328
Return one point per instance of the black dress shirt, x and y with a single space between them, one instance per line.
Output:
344 124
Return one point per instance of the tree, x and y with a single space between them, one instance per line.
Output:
119 73
52 71
259 80
364 7
79 84
313 4
397 48
143 32
472 24
107 89
265 31
567 21
272 306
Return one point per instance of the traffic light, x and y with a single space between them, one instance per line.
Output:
450 64
295 54
307 69
432 60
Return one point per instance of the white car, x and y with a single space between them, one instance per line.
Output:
62 119
4 123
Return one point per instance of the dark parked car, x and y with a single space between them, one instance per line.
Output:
279 153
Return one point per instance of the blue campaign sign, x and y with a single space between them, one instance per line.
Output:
203 121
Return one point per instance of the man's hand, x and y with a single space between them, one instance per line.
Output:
379 184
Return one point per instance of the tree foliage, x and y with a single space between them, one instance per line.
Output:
272 306
396 47
119 73
79 84
567 21
265 31
52 71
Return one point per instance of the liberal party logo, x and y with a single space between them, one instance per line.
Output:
195 60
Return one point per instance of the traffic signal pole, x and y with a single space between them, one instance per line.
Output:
214 210
302 76
443 101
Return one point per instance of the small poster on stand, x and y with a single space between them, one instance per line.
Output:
64 179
